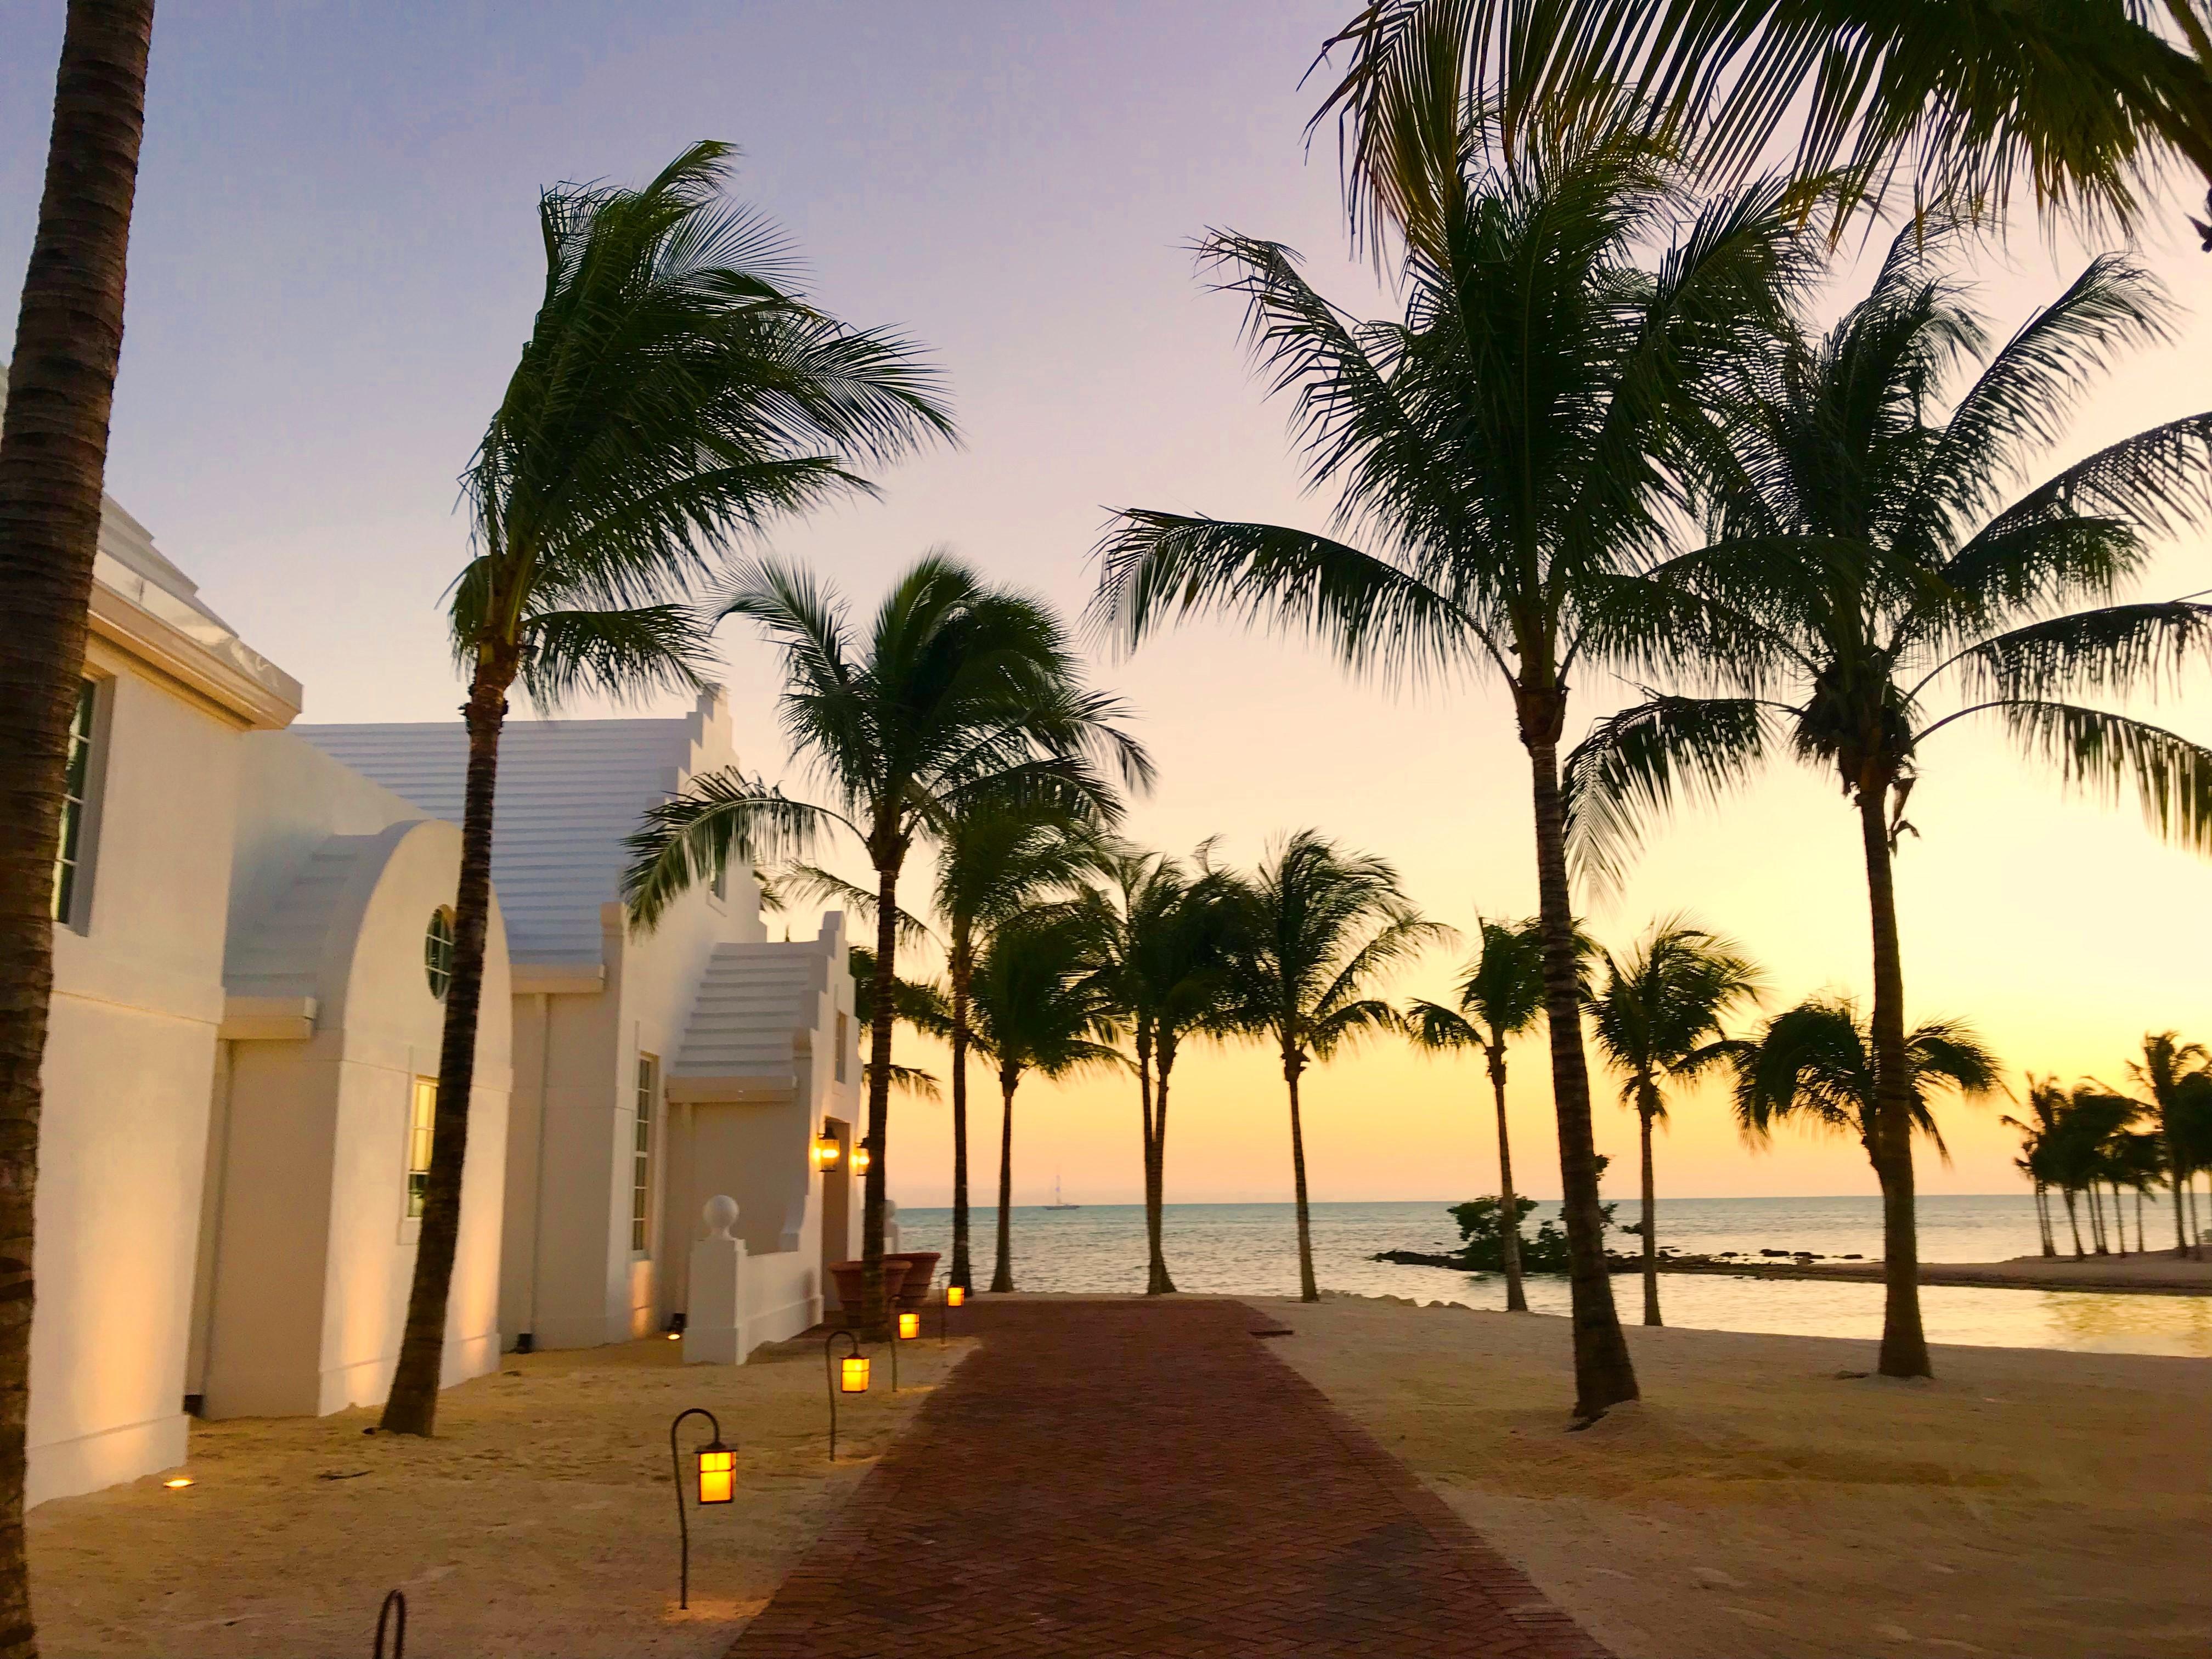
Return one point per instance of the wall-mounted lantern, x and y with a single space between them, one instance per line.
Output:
862 1158
826 1151
848 1374
718 1484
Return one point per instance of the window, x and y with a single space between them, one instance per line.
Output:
438 951
69 853
844 1042
422 1123
640 1175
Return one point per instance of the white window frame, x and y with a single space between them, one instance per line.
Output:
77 843
644 1121
421 1140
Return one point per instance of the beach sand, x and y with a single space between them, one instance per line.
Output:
539 1522
2026 1503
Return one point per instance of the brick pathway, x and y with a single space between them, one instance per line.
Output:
1144 1480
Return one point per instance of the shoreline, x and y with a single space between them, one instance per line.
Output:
2154 1274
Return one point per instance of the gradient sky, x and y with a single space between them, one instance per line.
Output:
334 262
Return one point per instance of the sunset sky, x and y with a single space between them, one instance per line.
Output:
335 261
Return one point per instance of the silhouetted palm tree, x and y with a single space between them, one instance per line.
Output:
1501 996
2170 1074
1036 1010
1815 1062
1507 452
1869 541
1322 927
673 395
1656 1018
2045 1105
1161 944
957 691
53 459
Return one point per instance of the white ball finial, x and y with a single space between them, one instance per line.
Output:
721 1215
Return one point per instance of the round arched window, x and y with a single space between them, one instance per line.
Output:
438 951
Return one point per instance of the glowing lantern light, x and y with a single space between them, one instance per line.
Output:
178 1484
910 1324
718 1474
861 1159
955 1295
826 1151
852 1374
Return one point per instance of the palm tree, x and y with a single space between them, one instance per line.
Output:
917 1005
2088 1119
1161 941
1036 1010
1864 540
2046 1107
960 692
1501 996
994 860
1508 453
1320 926
1816 1063
60 389
673 394
2081 103
2169 1074
2189 1149
1658 1018
2138 1162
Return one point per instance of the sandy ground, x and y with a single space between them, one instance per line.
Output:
539 1522
2163 1273
2027 1504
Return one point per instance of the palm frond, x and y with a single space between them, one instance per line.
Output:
2123 648
1433 1026
624 655
810 884
720 819
2102 753
1634 766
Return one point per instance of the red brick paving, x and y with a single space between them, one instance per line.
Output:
1144 1480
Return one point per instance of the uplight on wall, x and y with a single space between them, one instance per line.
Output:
178 1482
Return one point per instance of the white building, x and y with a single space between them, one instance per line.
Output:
250 943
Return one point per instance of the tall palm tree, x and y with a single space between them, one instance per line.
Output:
53 460
1869 540
2189 1150
1322 927
2089 1117
2045 1105
1815 1062
1507 452
2082 103
1161 942
2170 1072
916 1004
674 394
1501 996
958 691
995 859
1658 1018
1036 1009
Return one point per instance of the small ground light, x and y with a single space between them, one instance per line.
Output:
910 1324
718 1481
847 1373
955 1295
180 1483
718 1474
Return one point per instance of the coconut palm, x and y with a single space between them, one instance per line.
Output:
2189 1150
995 859
1321 928
2170 1072
2045 1105
1815 1063
2137 1163
1506 454
2080 104
916 1004
1656 1018
1161 943
60 388
1036 1010
2090 1118
957 691
674 394
1865 529
1501 996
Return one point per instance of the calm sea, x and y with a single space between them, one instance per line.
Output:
1252 1249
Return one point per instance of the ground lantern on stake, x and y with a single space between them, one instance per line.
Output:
848 1374
718 1484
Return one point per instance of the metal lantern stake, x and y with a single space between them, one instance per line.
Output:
847 1375
718 1480
394 1614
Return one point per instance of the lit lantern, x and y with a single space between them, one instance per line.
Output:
955 1295
718 1473
910 1324
852 1374
825 1150
861 1159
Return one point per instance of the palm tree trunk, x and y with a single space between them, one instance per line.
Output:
2120 1218
1308 1290
2097 1220
53 458
1517 1296
412 1405
2139 1232
1157 1282
2042 1218
2073 1221
1904 1342
1643 1116
2188 1187
1002 1275
1604 1375
2177 1179
875 1315
962 968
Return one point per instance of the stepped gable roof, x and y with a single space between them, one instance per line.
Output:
758 1008
570 792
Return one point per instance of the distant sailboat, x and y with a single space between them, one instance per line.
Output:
1058 1202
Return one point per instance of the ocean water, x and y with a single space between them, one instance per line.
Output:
1252 1249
